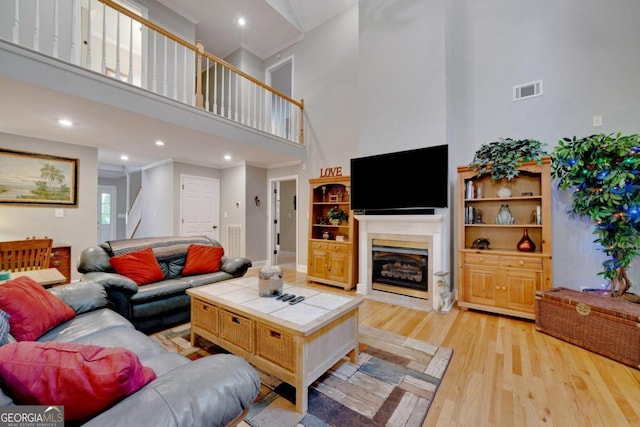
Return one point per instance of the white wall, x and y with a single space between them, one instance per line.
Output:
256 238
426 72
326 76
401 75
78 225
158 202
232 189
586 52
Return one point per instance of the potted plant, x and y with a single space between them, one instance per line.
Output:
604 171
336 215
502 158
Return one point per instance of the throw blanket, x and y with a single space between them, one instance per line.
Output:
164 248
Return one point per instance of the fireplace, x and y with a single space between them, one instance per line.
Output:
415 240
400 267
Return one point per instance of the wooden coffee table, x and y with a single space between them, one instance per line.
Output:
295 343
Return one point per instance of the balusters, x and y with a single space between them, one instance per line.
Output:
222 91
16 22
236 96
89 64
215 105
74 52
175 70
154 77
229 97
255 104
36 27
117 45
103 66
164 77
54 50
130 76
184 74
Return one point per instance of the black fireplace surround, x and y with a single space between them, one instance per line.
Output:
402 270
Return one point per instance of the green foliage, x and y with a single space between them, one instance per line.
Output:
604 171
337 213
505 156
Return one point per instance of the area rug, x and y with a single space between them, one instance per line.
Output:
393 383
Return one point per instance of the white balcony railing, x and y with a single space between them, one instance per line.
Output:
108 38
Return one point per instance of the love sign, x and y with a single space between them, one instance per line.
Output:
329 172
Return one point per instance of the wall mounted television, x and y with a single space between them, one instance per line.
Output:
404 182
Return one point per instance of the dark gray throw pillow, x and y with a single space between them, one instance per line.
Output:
4 327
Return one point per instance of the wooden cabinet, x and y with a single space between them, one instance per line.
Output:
61 259
333 248
502 279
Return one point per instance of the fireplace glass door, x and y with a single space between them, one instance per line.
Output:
400 267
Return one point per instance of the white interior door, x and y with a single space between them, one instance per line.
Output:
106 213
200 206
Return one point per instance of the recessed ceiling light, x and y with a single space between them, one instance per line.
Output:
124 157
65 122
227 157
242 22
159 143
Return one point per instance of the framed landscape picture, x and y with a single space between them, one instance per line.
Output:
38 179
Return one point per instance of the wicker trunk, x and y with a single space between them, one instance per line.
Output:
604 325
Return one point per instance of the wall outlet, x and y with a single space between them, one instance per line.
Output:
59 213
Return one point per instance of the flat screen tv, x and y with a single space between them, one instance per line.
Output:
404 182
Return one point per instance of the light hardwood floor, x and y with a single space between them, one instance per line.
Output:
505 373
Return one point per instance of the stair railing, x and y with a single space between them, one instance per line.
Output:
116 42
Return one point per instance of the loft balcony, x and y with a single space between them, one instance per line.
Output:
119 60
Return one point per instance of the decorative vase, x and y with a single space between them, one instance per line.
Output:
504 215
526 244
336 221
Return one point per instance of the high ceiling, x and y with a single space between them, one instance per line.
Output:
271 25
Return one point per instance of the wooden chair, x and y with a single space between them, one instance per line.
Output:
24 255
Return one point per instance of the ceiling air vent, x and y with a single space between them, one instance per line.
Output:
527 90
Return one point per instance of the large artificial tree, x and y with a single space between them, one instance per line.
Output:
604 172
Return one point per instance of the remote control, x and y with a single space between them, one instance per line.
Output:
282 296
296 300
288 298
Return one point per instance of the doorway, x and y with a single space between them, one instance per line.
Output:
107 204
199 206
283 217
280 77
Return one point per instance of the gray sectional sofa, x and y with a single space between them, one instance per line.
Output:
163 304
211 391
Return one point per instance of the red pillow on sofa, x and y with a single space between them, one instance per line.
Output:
140 266
86 379
33 309
202 259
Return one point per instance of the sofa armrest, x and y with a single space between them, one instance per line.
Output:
112 281
119 290
82 296
236 266
211 391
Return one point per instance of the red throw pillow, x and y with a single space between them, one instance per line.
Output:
140 266
202 259
33 309
86 379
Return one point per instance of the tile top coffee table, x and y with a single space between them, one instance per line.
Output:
296 343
